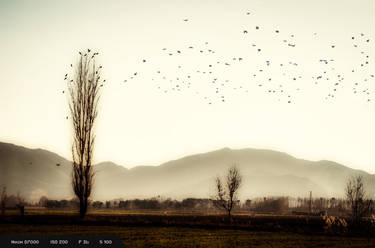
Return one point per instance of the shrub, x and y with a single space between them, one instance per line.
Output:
335 225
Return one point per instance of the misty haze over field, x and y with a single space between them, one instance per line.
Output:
34 173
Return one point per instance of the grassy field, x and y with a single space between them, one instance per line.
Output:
193 237
43 211
172 229
163 218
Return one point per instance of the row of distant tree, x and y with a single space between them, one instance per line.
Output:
278 205
355 204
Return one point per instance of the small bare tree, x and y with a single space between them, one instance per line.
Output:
83 101
355 194
21 202
227 192
3 199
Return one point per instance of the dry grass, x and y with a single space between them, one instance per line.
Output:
193 237
183 229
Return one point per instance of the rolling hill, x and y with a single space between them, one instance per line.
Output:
34 172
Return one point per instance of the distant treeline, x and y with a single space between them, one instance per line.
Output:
279 205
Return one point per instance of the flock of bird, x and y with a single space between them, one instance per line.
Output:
204 71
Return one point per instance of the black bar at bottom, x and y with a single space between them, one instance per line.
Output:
68 241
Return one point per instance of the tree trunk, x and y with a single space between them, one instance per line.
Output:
82 208
85 205
229 217
21 208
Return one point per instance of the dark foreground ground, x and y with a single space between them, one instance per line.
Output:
162 229
149 236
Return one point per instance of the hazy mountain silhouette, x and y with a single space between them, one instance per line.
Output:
34 172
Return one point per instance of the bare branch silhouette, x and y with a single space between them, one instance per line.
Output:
83 104
227 194
355 194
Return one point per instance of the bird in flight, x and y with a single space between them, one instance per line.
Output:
265 82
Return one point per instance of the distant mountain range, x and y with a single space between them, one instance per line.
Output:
34 172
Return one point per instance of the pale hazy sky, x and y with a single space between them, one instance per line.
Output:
140 124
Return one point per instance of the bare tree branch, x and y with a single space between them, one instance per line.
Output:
355 194
226 197
84 97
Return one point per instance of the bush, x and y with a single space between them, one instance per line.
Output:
335 225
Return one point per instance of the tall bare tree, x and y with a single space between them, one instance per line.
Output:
84 90
3 199
355 194
227 192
